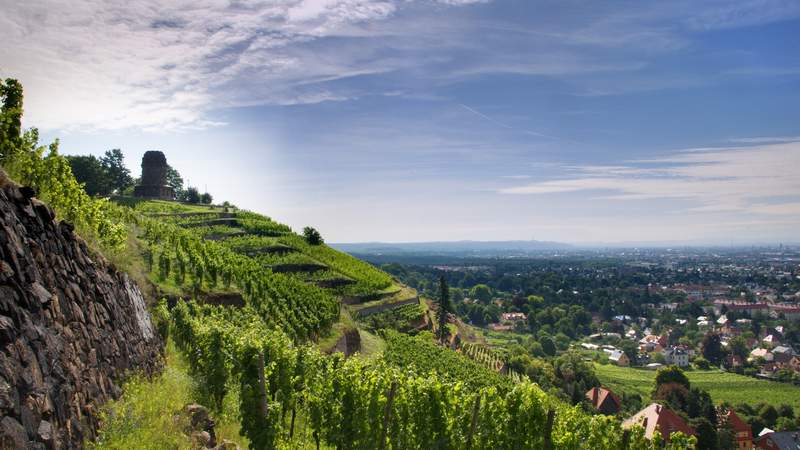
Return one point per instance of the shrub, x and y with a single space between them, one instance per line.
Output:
312 236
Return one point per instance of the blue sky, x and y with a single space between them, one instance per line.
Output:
402 120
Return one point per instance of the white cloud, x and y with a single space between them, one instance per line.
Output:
765 139
712 180
155 65
112 64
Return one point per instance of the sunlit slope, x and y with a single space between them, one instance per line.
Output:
218 241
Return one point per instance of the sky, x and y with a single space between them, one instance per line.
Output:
426 120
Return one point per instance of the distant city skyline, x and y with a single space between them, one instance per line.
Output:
439 120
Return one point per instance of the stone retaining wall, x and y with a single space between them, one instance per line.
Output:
71 327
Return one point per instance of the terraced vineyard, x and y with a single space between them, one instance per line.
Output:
488 358
193 250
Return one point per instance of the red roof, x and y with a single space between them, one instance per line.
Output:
599 395
738 425
658 417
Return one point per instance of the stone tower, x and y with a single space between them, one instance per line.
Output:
154 177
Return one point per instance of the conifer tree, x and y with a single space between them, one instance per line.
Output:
444 309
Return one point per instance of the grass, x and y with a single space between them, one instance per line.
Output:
723 386
372 345
145 417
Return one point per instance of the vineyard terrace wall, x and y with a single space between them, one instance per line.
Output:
71 326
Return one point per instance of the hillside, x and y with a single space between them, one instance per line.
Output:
723 386
255 318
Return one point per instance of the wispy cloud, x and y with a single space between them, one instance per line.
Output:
723 179
765 139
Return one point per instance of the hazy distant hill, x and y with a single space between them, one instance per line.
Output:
485 248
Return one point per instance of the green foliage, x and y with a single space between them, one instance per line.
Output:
722 386
301 309
114 166
702 363
481 292
101 176
343 401
90 173
10 119
400 319
671 374
52 178
206 198
574 376
444 308
312 236
425 356
175 181
712 349
191 195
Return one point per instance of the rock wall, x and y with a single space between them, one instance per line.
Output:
71 327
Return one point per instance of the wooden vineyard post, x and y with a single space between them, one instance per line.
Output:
474 421
262 385
387 415
291 427
548 431
626 438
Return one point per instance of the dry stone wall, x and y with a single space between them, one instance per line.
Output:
71 328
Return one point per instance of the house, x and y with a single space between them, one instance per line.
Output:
659 418
742 307
790 311
782 354
513 317
604 400
771 340
742 432
775 440
652 343
761 353
794 363
677 356
619 358
589 346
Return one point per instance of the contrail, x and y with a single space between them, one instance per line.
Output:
501 124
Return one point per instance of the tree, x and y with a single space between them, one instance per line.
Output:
706 435
482 293
10 117
175 181
769 414
192 195
712 349
89 171
574 376
206 198
738 347
548 346
312 236
784 424
671 374
444 309
702 363
631 350
119 176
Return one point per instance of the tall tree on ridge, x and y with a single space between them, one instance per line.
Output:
118 175
444 309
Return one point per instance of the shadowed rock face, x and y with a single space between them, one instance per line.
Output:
71 326
154 177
